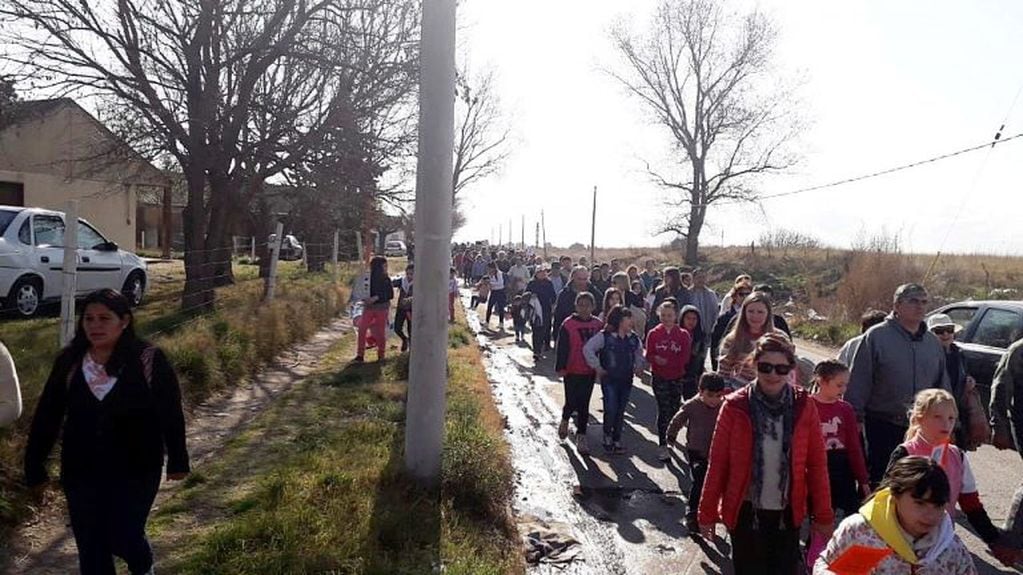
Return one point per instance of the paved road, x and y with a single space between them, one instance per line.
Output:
626 510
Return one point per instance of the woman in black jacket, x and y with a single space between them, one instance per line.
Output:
374 315
119 404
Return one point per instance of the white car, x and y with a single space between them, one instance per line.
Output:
395 248
32 259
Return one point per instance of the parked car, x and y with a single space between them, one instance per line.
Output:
32 260
989 327
291 248
395 249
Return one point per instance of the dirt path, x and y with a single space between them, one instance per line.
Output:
626 511
45 546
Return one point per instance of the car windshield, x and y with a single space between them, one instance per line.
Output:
6 217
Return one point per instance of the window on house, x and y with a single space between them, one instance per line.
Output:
12 194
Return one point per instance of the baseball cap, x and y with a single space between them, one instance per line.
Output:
906 291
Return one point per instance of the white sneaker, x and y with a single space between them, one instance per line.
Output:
664 453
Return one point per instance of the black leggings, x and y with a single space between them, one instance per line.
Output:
668 393
108 519
578 391
497 300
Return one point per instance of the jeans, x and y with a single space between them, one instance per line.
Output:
771 549
698 468
374 321
108 519
882 439
578 391
616 398
668 393
403 317
497 301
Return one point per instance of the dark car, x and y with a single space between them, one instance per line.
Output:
989 327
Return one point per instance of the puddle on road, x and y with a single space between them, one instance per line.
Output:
620 530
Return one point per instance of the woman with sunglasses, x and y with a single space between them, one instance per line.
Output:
768 467
756 319
942 326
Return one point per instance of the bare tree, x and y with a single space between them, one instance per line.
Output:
8 98
188 69
705 74
481 135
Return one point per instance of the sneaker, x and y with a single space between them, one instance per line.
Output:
581 446
358 359
608 444
664 453
618 447
563 429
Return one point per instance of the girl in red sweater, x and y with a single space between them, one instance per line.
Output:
667 351
768 467
847 466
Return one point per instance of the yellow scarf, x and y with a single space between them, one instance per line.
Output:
880 514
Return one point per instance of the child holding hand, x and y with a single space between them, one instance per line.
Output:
698 415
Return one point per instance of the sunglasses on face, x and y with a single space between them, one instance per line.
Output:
917 301
943 330
779 368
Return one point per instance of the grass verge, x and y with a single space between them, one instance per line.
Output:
210 352
316 483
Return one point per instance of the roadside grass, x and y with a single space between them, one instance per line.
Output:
829 333
210 352
316 483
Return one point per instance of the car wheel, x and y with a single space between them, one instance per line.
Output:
134 288
26 297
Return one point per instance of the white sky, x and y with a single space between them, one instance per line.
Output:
887 83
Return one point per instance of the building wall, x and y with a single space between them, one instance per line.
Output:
109 207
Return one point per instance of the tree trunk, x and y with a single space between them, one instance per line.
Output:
198 294
317 256
223 203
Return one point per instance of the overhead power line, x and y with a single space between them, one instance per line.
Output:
895 169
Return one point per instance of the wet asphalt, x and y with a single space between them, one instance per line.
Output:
626 511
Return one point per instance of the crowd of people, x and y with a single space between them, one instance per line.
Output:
876 439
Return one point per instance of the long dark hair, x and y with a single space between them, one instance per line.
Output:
376 267
920 476
128 345
614 317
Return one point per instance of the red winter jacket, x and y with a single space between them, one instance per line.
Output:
731 461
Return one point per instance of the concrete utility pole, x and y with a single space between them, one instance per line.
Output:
593 228
543 226
69 274
424 422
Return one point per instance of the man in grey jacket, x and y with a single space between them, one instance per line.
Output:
895 360
1007 422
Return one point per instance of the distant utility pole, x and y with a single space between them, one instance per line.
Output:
537 235
593 228
543 226
523 239
426 404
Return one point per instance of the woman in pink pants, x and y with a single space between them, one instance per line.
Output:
374 318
